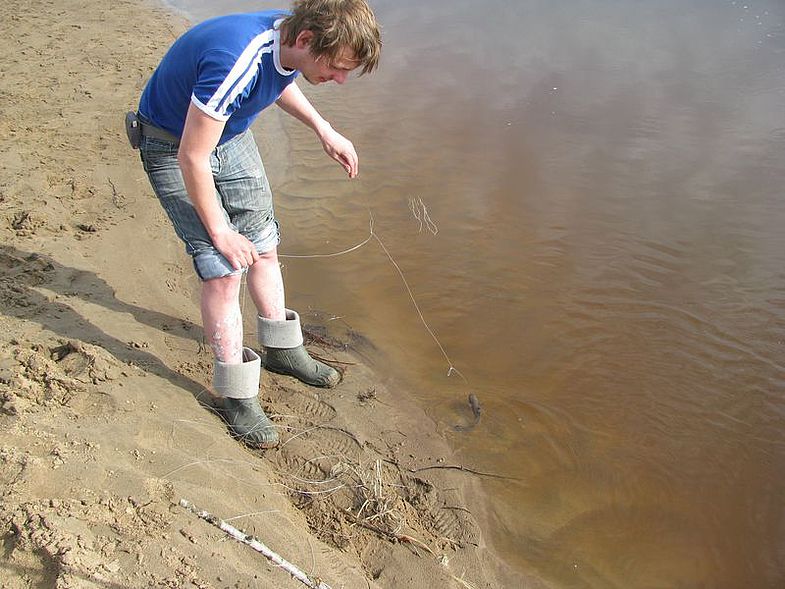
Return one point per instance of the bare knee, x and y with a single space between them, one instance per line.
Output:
268 258
222 290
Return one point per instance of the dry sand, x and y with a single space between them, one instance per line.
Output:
105 419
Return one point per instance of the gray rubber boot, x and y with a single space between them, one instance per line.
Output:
238 385
285 353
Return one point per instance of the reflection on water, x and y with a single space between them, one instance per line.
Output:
608 273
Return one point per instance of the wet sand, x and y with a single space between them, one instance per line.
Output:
106 417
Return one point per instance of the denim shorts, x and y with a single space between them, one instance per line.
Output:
241 189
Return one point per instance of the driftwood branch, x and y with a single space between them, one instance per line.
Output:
255 544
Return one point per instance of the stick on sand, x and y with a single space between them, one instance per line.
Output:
255 544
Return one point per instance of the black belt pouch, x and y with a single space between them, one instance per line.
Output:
133 128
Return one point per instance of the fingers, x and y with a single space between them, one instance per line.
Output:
247 256
341 150
349 161
349 165
237 249
242 261
354 165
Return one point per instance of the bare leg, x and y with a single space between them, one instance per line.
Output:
223 328
223 324
265 284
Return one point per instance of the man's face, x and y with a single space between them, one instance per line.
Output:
318 70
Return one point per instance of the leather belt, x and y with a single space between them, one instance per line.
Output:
149 130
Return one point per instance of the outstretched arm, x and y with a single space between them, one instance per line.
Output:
338 147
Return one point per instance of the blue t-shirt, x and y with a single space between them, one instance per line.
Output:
229 67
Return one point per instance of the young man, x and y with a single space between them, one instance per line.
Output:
204 166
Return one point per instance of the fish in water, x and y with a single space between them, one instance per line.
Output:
474 404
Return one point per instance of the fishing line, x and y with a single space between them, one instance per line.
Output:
420 213
335 254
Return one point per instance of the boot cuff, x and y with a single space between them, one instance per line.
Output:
280 334
238 381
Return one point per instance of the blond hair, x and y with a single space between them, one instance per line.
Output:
337 25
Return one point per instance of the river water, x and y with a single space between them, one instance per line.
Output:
585 199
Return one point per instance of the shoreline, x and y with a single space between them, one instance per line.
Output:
106 418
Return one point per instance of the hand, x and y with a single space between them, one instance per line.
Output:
340 149
236 248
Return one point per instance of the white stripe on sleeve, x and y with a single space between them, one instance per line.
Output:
207 110
242 72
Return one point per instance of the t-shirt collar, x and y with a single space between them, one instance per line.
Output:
277 50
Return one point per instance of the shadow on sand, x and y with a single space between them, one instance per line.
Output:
21 272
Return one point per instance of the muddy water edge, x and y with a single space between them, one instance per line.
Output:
584 200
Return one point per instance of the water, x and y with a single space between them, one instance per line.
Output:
608 274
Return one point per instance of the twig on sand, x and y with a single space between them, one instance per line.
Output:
331 360
464 469
116 198
256 545
462 582
396 536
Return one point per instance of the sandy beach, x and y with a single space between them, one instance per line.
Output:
106 416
